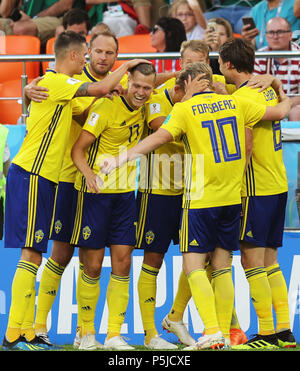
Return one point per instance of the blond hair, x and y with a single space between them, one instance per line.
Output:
198 46
194 70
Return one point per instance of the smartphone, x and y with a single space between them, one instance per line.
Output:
15 15
250 22
212 26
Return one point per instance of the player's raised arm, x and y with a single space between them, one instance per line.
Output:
78 156
147 145
105 86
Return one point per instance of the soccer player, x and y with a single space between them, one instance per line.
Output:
264 195
103 53
159 201
105 212
195 51
212 200
34 173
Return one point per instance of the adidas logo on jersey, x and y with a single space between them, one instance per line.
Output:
150 300
51 292
249 234
194 243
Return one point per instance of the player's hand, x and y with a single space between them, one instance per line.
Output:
219 87
261 81
94 183
134 62
194 86
35 92
108 165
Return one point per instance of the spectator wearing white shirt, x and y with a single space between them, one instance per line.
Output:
191 15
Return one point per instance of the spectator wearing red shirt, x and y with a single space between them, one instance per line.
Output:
279 37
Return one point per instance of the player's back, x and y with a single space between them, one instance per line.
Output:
212 128
266 174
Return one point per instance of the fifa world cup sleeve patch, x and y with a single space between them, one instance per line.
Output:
93 119
155 108
72 81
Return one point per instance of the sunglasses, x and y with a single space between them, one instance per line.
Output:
155 29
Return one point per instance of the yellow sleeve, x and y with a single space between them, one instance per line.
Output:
63 87
175 122
98 117
155 108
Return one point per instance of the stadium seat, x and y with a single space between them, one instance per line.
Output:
140 43
10 110
14 45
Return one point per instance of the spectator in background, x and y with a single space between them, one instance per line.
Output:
120 16
218 31
167 36
99 28
190 14
262 13
287 70
38 18
232 10
76 20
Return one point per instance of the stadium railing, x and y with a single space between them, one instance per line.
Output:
122 56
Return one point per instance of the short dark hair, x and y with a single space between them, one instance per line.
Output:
65 40
239 53
106 34
76 16
174 33
144 68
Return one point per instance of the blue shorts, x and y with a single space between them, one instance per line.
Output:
62 224
159 221
202 230
104 219
28 209
263 220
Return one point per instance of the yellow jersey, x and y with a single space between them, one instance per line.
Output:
212 128
169 84
266 173
48 127
161 172
116 127
69 170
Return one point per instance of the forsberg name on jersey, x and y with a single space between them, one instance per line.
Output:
213 107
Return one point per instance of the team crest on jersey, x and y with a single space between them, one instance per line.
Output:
38 236
57 226
149 237
86 232
155 108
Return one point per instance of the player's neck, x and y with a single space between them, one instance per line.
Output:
241 78
273 3
63 67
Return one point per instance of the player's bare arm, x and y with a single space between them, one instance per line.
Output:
105 86
147 145
82 144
